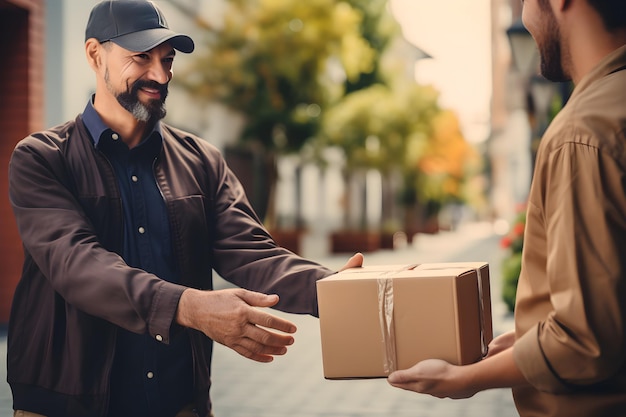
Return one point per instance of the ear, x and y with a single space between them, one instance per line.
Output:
562 5
94 53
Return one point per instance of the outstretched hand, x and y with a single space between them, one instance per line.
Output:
434 377
441 379
229 317
354 262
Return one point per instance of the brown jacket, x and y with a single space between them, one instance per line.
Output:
76 291
571 300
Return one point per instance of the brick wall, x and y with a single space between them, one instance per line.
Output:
21 112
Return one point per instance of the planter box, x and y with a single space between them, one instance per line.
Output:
354 241
393 240
289 239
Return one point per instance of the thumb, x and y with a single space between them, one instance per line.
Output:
355 261
396 377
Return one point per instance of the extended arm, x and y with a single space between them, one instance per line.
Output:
441 379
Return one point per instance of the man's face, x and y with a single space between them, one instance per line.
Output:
139 80
541 22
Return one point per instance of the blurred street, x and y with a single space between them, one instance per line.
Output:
294 385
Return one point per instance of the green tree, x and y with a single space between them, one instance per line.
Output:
379 29
279 63
270 61
384 129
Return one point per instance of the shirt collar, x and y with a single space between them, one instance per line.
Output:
614 61
96 126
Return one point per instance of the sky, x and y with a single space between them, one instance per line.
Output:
457 34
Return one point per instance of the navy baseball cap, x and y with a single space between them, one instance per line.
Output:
136 25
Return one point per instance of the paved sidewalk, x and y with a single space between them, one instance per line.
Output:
294 385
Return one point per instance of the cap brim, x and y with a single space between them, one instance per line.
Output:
145 40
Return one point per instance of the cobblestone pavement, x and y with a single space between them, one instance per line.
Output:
294 386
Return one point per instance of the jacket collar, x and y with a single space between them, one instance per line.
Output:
96 126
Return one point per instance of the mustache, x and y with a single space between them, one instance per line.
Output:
162 88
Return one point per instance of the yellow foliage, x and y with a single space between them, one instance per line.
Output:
448 151
447 158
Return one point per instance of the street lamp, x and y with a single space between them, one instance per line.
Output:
523 49
525 57
541 92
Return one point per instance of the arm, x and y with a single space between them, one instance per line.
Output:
246 255
228 317
441 379
62 245
581 340
582 204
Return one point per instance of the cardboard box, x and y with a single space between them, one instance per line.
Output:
378 319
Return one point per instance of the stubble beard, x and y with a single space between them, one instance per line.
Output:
551 51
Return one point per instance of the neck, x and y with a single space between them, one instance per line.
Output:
120 120
588 42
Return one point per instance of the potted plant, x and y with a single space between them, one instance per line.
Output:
513 243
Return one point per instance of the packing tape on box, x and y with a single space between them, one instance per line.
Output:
385 316
484 346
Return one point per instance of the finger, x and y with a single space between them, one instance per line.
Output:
406 381
263 319
266 338
258 299
397 378
252 348
354 262
261 348
247 353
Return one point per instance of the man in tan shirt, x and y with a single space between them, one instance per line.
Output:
567 355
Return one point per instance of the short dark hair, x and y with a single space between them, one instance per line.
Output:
613 13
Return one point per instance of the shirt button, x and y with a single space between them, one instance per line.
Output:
115 136
159 338
142 230
150 375
134 178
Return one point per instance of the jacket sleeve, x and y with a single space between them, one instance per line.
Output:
582 340
246 255
62 242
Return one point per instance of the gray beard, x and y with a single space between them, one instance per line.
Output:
137 109
129 100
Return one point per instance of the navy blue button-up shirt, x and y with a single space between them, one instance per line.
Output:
148 378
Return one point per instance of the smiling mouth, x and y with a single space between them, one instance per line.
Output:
151 92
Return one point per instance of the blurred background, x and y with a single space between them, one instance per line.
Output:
384 126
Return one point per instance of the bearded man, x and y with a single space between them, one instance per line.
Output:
567 355
123 218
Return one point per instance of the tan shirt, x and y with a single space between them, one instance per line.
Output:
570 314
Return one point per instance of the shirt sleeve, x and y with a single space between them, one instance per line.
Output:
246 255
581 341
61 241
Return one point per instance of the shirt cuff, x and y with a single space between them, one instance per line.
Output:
533 364
163 312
